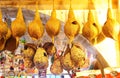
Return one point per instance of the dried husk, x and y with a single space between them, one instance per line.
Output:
56 67
66 60
49 48
111 27
79 64
91 28
41 59
28 53
3 32
53 25
18 26
72 27
77 54
9 42
35 27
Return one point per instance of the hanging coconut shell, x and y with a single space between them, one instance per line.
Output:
111 27
77 54
29 50
3 41
79 64
56 67
3 32
18 26
91 28
11 41
66 60
36 28
49 48
72 27
41 59
8 35
53 25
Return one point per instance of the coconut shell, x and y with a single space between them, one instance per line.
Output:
49 48
9 42
72 27
79 64
29 53
35 27
3 32
18 26
111 27
77 53
66 60
56 67
91 28
41 59
53 25
30 45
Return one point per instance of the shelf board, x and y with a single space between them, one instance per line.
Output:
59 4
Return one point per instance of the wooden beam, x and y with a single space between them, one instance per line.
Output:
59 4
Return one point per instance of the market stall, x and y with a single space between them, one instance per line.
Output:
60 39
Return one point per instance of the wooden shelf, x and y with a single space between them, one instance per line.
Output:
59 4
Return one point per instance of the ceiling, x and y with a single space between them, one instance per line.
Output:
59 4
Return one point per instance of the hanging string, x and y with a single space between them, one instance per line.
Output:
36 5
70 3
91 4
109 3
53 4
37 13
19 4
88 4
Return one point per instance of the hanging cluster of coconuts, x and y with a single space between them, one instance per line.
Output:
9 37
74 55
